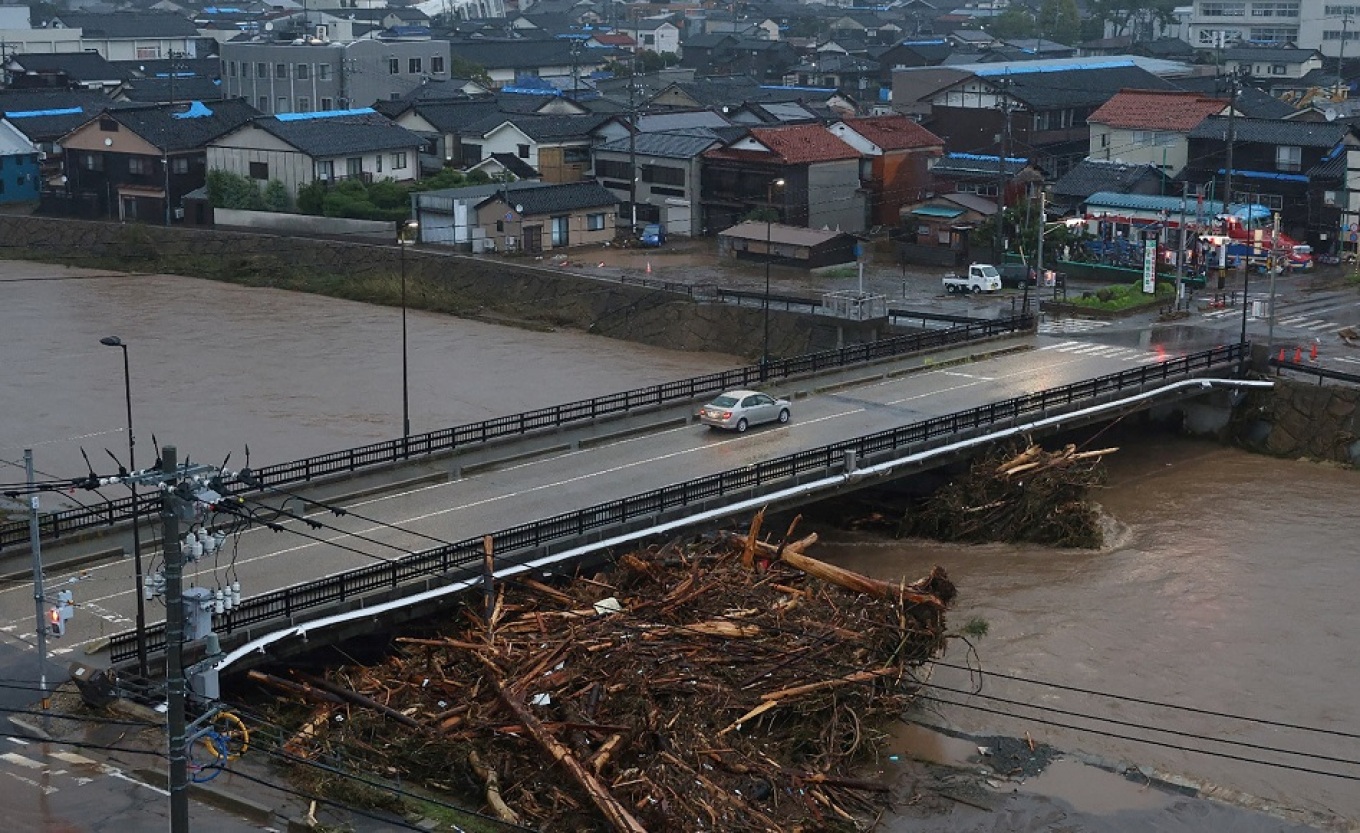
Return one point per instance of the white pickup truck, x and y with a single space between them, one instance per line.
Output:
981 277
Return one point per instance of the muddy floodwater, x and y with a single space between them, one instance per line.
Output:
1228 586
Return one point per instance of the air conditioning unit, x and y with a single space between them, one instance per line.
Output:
42 156
323 31
323 177
179 213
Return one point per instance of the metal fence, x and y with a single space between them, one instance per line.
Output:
418 446
1316 370
464 558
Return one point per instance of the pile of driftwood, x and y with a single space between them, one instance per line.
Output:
1017 495
726 684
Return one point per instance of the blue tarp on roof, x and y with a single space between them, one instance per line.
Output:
1066 66
29 114
1266 175
984 157
793 88
197 110
325 114
937 211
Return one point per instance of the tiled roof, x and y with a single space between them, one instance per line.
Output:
976 164
798 144
320 135
894 132
1251 102
524 54
1078 86
184 126
543 128
129 25
1311 134
1169 110
79 66
1270 54
676 145
1092 175
1141 202
615 39
515 165
180 89
555 199
684 120
44 115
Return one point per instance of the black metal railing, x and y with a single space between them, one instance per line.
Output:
454 560
444 440
1316 370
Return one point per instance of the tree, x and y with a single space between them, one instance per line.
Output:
276 196
1014 22
1059 20
229 190
311 197
1135 18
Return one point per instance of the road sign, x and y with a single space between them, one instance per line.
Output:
1149 266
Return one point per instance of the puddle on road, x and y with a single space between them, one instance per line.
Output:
910 740
1090 789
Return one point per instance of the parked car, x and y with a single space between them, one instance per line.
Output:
738 410
981 277
653 235
1016 275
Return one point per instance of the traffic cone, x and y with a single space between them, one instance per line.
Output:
1281 354
601 264
649 267
1298 355
1312 354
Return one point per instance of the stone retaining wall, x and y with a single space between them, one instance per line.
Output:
1297 419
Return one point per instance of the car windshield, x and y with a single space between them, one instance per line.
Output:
1303 250
725 401
988 272
651 231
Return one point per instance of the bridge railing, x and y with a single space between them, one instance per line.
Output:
418 446
464 557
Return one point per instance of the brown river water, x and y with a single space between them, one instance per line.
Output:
1228 584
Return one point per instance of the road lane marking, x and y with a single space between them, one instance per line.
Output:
22 760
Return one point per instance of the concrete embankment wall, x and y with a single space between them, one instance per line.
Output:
1297 419
497 291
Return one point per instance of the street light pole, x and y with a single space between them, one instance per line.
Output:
769 255
115 341
405 375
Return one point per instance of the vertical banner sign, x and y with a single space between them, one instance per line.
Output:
1149 266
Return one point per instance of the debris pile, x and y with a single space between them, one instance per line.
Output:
728 684
1017 495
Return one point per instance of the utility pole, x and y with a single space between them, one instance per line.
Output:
1341 56
1038 254
1180 253
174 646
1271 264
1232 140
632 144
1003 101
34 537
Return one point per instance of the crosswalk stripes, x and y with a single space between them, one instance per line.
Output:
1104 351
1072 325
45 772
1304 322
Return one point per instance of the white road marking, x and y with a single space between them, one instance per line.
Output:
22 760
73 758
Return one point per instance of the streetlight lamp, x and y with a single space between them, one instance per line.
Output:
769 255
115 341
405 388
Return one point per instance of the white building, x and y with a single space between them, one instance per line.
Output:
1308 24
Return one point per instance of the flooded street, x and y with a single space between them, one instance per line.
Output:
1228 584
1229 587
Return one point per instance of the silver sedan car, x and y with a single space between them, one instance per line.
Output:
738 410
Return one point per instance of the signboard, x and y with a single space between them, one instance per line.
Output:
1149 266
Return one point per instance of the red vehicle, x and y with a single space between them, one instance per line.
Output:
1299 255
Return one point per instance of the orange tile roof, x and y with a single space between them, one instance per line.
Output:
1157 110
793 145
894 132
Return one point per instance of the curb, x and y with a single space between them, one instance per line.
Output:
219 798
29 728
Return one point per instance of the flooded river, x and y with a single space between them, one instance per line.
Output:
1228 587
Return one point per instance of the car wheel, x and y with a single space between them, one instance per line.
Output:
977 290
783 415
741 426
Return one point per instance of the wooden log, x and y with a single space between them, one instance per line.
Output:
442 643
357 699
301 689
492 782
748 553
299 744
848 679
614 812
600 759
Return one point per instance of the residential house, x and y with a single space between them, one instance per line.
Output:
1267 62
20 176
901 153
448 216
668 177
506 60
1149 127
132 36
982 174
1041 48
1294 168
549 217
1038 105
974 39
558 147
168 80
65 70
657 35
864 26
612 40
1092 175
787 245
443 125
45 116
848 73
943 222
819 172
298 149
136 163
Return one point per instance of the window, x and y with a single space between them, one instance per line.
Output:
594 222
437 64
108 125
399 161
981 189
92 161
326 104
413 66
325 170
280 70
323 72
354 166
1340 11
281 105
1220 9
1277 69
377 158
1274 34
304 104
393 66
561 231
522 151
613 169
472 154
148 53
1288 158
1104 140
262 104
139 166
303 72
231 69
261 69
259 170
179 165
245 69
663 175
1274 9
